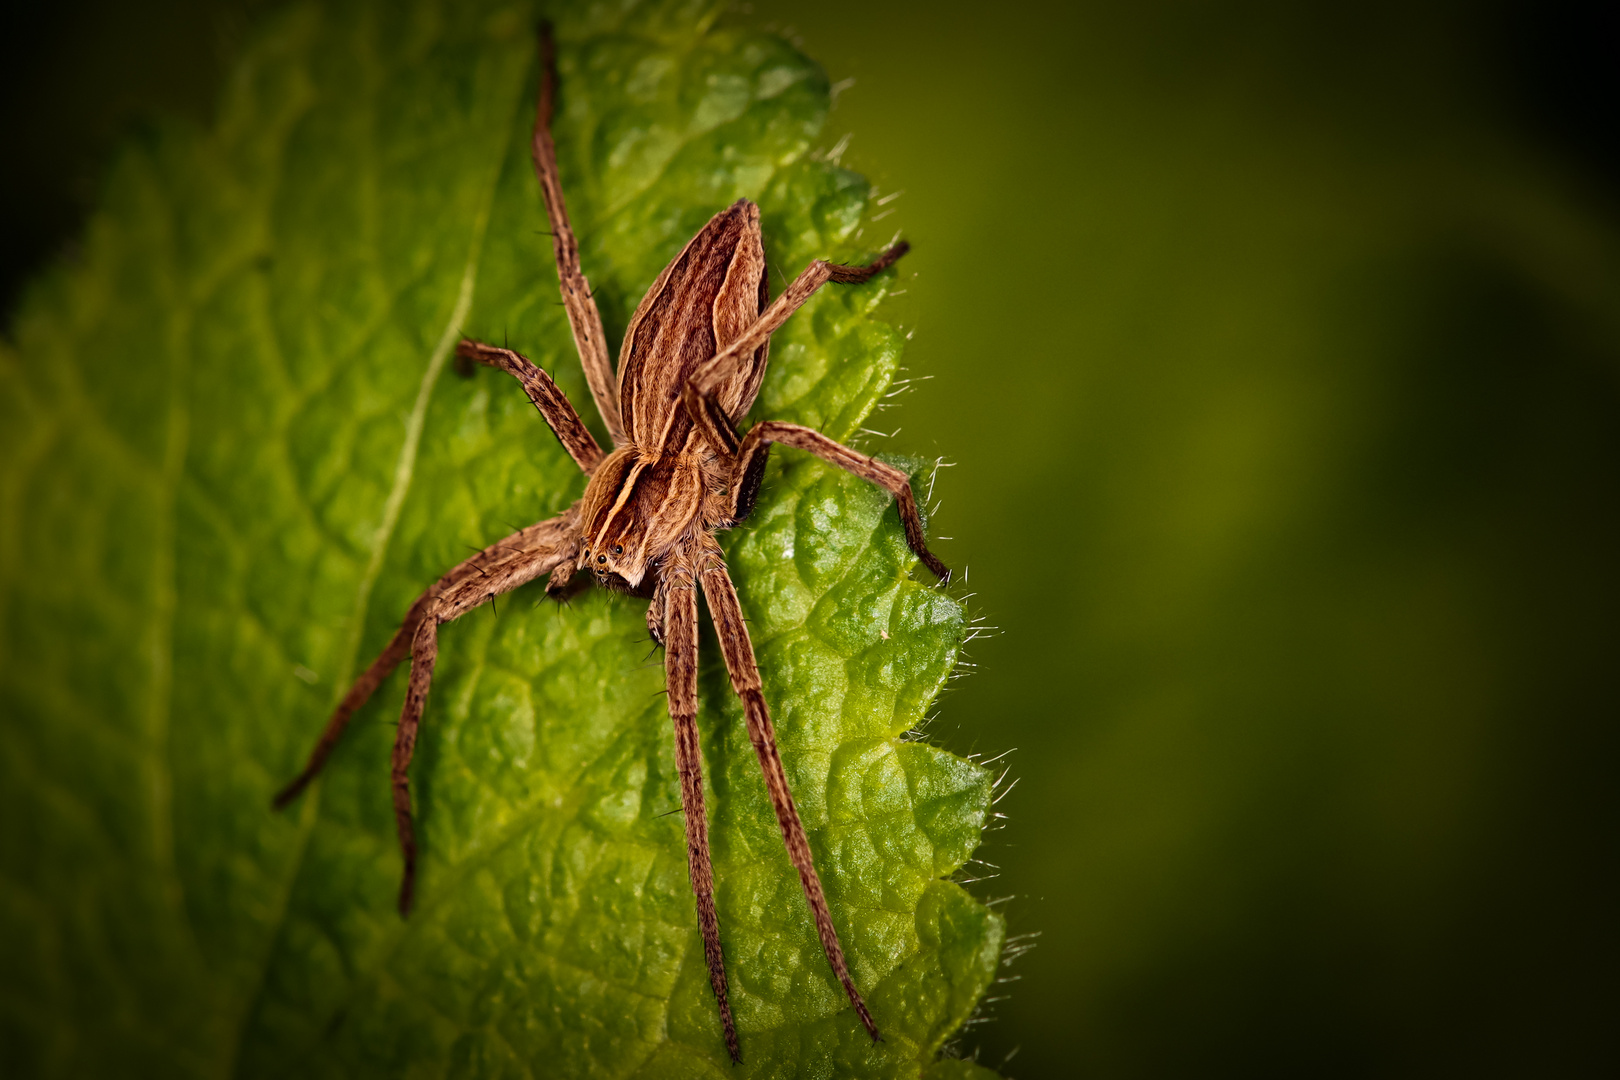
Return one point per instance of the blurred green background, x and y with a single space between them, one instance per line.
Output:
1278 349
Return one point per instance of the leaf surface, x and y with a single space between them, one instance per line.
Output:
231 454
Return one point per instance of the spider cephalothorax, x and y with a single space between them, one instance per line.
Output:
693 358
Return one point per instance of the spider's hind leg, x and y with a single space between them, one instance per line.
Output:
725 375
718 376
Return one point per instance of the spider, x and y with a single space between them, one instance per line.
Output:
691 364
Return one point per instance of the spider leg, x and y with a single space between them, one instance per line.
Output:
513 569
499 568
583 316
744 670
397 649
555 408
680 633
566 582
702 391
424 651
658 611
750 466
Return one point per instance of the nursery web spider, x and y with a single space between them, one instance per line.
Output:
691 365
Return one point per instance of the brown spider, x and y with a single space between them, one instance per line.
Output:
691 365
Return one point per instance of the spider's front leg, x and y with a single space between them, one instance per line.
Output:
583 318
658 609
498 569
676 602
554 406
738 651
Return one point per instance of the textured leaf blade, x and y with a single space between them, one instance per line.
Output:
241 456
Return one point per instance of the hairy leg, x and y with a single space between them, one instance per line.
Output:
658 608
514 567
576 291
497 569
566 582
555 408
680 667
744 671
424 652
702 390
750 464
397 649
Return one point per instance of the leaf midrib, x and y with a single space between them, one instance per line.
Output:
404 474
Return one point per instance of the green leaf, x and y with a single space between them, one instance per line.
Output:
231 453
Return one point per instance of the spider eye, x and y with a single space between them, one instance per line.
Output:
618 549
601 558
